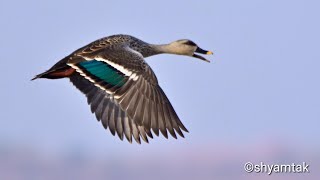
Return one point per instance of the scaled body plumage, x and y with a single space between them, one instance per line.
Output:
121 88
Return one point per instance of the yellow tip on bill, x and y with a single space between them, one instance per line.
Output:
209 52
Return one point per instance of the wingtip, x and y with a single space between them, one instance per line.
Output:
138 141
184 128
173 134
164 133
146 140
182 135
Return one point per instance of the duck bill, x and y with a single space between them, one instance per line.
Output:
200 57
201 51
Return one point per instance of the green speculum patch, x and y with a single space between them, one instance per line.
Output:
104 71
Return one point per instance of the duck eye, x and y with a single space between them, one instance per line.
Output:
190 43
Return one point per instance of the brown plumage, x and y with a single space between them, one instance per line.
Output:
120 86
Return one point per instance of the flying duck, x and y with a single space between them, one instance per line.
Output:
121 87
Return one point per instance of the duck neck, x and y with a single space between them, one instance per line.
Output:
154 49
163 49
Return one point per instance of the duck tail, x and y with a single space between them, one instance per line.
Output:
56 73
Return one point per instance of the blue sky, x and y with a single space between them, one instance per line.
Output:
262 84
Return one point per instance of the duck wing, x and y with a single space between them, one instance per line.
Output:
124 93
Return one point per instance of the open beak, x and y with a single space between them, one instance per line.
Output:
201 51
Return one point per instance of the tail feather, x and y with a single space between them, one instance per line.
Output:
58 70
38 76
56 74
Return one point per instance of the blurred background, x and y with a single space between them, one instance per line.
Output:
257 101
